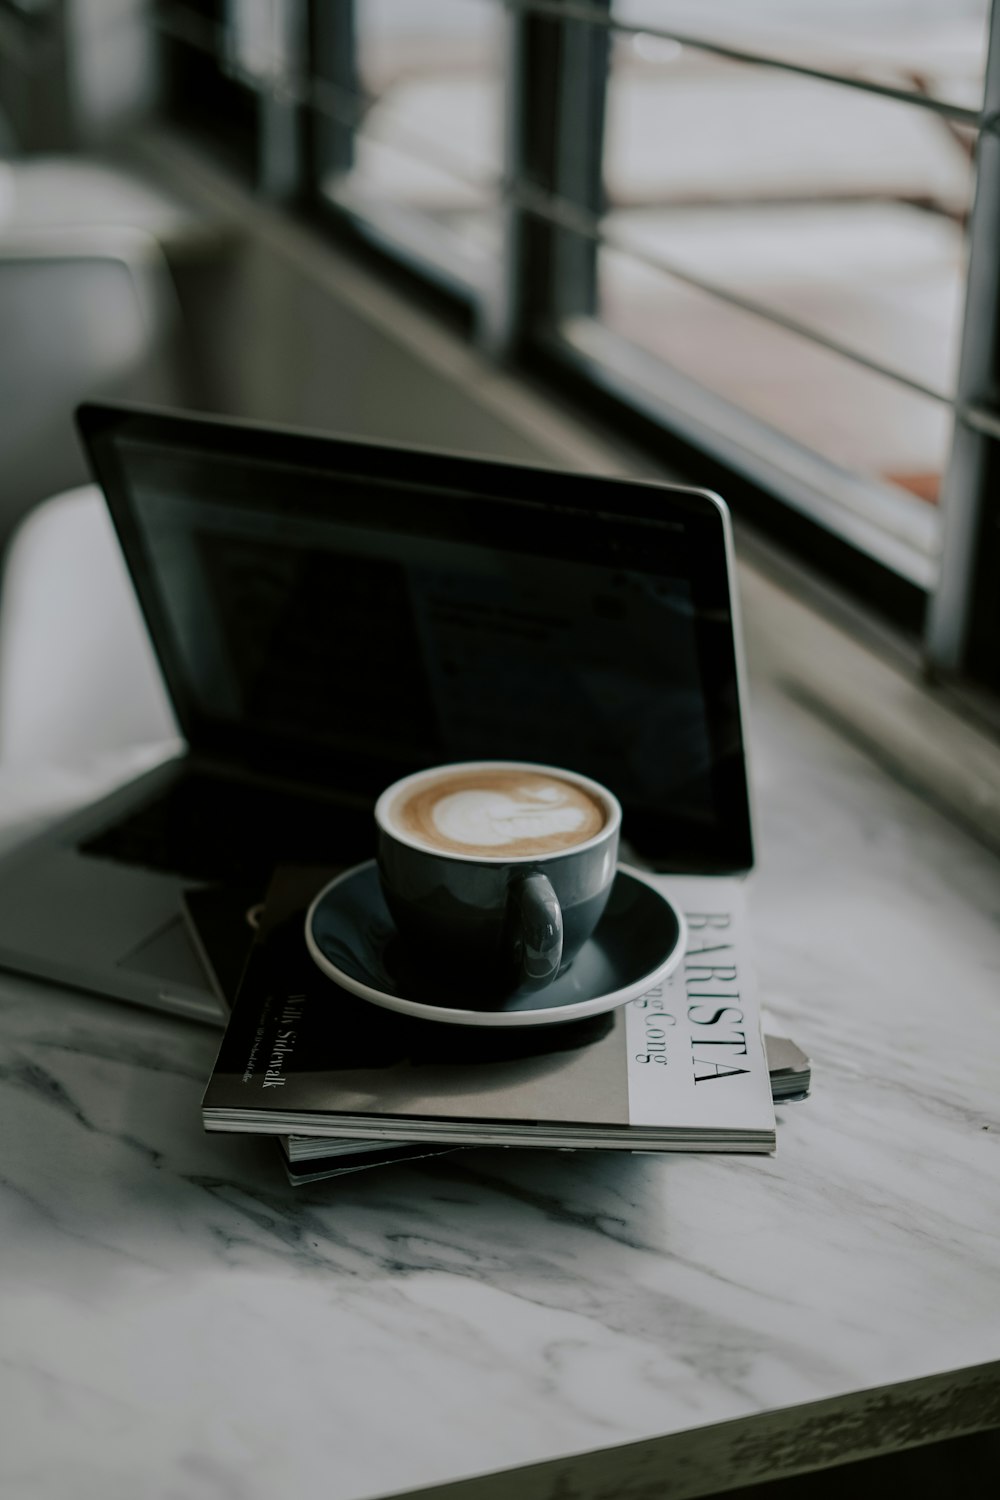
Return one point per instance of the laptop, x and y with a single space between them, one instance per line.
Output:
329 615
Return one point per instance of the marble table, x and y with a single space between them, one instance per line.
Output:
177 1322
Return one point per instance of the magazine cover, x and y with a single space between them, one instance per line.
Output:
681 1068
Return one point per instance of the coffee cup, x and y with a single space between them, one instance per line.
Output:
497 872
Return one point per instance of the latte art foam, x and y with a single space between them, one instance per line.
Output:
505 813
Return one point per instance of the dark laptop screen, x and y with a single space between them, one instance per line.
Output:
345 614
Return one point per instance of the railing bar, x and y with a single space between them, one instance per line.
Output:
565 215
981 419
591 15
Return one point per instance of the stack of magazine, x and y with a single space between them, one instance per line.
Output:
344 1084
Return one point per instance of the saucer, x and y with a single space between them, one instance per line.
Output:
638 941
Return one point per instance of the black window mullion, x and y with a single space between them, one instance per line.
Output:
963 631
524 277
282 114
583 89
334 74
982 652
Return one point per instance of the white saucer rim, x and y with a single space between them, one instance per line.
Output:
452 1015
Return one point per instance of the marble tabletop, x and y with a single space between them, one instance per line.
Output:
177 1322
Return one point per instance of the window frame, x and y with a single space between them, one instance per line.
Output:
519 316
955 615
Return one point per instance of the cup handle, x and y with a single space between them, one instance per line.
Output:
538 929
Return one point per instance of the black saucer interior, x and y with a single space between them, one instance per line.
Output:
636 935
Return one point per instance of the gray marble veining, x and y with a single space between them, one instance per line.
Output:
176 1321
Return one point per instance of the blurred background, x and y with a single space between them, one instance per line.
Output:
759 244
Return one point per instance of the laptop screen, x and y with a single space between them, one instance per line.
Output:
343 614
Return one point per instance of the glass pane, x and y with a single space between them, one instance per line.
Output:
854 418
428 147
765 230
935 48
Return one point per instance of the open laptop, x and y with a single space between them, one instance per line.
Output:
329 615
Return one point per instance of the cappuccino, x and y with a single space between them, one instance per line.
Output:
504 812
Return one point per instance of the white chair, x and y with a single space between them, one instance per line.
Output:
40 194
82 315
77 672
87 310
88 254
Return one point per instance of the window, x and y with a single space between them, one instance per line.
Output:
791 246
770 232
412 125
780 244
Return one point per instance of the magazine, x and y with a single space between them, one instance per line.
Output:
681 1068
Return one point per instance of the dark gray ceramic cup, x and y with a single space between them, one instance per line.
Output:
498 922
